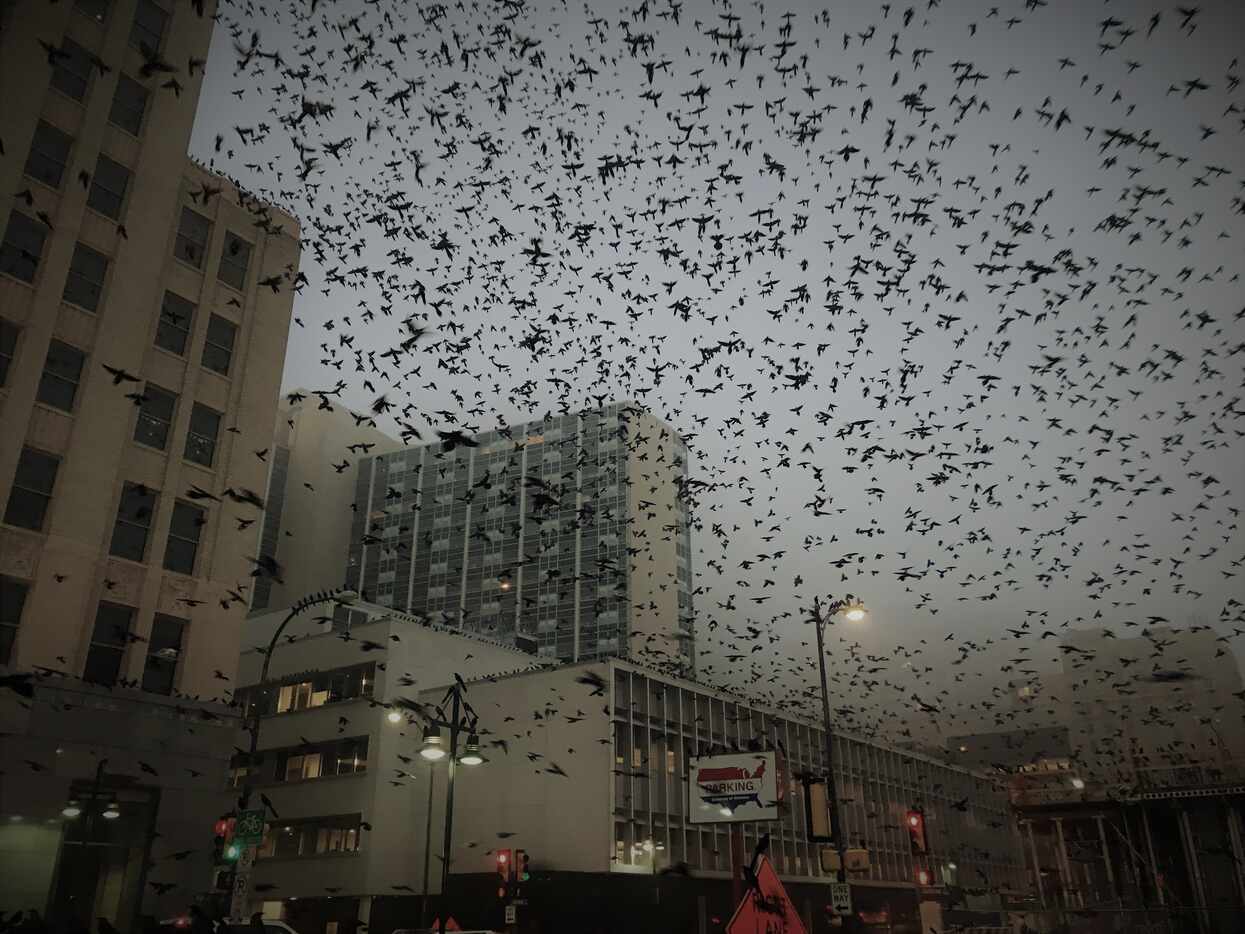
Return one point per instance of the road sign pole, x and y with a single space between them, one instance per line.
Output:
242 885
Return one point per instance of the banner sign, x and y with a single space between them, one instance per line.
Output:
735 787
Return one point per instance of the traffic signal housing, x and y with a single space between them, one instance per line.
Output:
224 849
504 868
916 831
924 877
522 871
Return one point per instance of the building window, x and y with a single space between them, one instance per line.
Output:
134 513
201 439
129 105
108 641
164 648
95 9
155 417
325 687
22 247
192 238
218 346
183 543
311 836
49 154
32 489
108 187
12 601
85 282
234 260
62 372
8 348
176 318
72 73
306 762
147 31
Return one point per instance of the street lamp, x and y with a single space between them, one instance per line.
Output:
433 748
854 610
394 716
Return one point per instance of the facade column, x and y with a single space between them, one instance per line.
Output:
1154 866
1106 858
1037 866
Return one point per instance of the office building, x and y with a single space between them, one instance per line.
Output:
587 771
118 252
567 536
311 483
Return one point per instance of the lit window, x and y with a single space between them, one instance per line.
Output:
32 489
62 372
129 105
85 283
176 319
108 187
109 639
234 260
183 544
201 439
49 154
22 247
192 238
155 417
134 514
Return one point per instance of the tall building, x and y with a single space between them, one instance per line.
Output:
567 536
311 483
144 310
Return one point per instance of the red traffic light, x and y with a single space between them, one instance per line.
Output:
222 827
916 831
503 865
923 877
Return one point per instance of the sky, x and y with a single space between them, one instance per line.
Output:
946 299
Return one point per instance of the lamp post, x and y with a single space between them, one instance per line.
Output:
854 611
461 716
247 858
423 904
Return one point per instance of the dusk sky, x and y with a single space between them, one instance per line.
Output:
945 299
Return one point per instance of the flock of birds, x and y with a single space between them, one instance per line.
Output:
943 297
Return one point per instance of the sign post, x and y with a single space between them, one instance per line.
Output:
841 898
248 834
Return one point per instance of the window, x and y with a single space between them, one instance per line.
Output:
183 543
218 346
85 283
176 318
311 836
164 648
192 238
32 489
155 417
12 600
49 154
129 105
108 641
325 687
8 348
108 186
95 9
201 439
22 247
148 27
134 512
62 372
234 260
72 72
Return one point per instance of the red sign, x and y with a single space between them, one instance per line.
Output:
766 909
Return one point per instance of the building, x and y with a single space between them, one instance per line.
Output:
586 771
118 542
310 498
339 742
568 536
1009 750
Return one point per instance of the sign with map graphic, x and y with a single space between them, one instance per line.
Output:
736 787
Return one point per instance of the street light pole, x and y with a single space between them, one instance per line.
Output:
456 712
423 905
832 786
246 859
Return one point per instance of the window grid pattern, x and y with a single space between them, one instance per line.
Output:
658 725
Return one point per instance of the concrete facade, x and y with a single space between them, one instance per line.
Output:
310 500
568 536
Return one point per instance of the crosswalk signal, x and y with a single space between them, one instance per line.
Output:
521 871
916 831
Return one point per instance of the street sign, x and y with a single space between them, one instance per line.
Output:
767 907
512 914
737 787
841 897
248 830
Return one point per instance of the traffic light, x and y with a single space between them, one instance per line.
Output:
924 877
224 849
503 872
522 872
916 831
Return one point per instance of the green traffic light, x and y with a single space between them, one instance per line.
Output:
232 852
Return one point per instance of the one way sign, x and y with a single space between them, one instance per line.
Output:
841 897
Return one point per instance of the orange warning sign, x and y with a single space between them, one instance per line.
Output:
766 908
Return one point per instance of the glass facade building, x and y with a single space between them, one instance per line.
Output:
535 534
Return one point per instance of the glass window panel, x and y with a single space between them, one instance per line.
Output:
192 238
32 489
85 283
201 438
129 105
12 601
8 348
147 30
62 372
22 247
109 639
49 154
108 187
163 653
155 417
234 260
134 513
176 319
218 347
183 543
71 74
